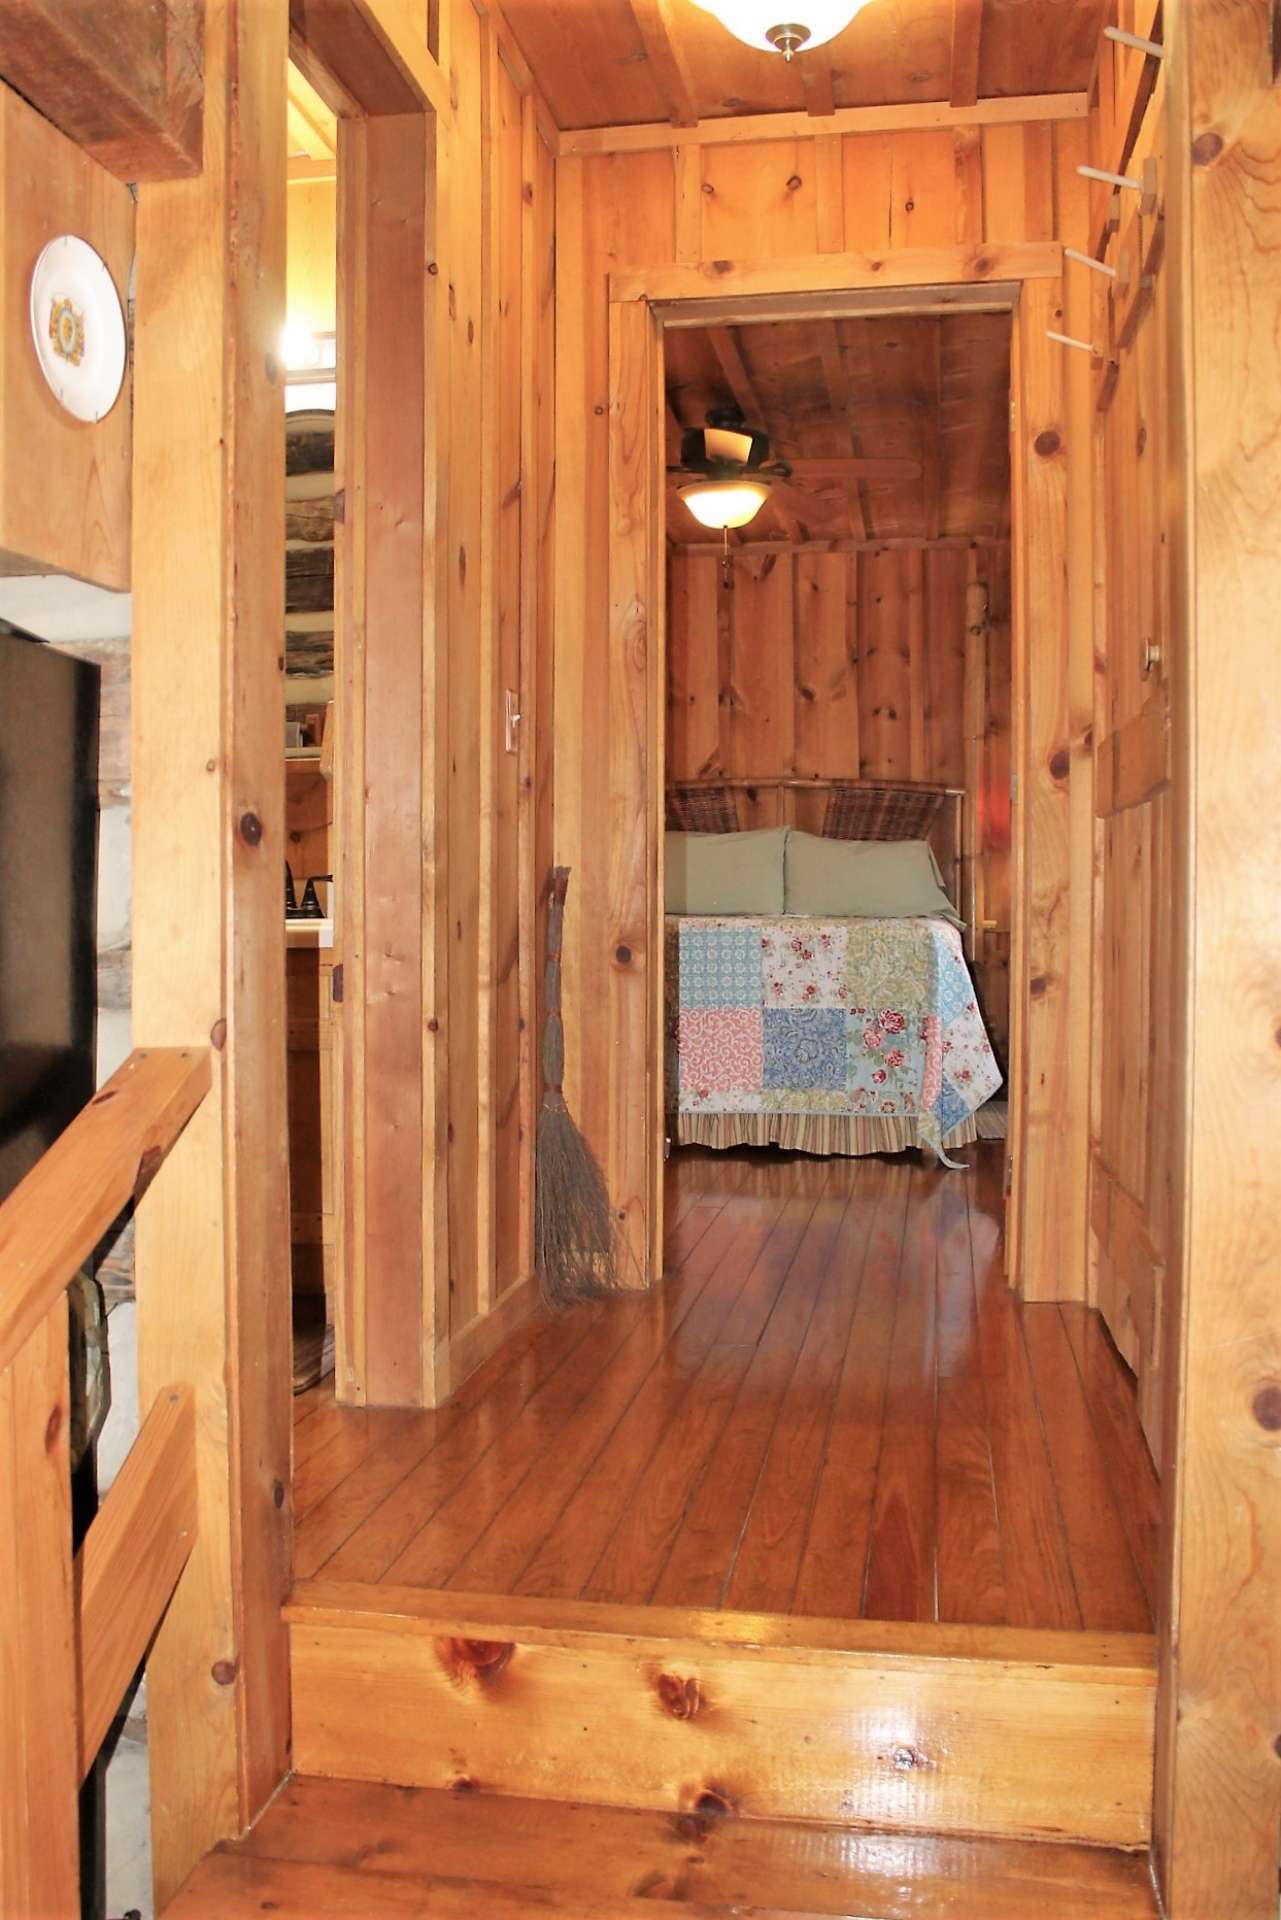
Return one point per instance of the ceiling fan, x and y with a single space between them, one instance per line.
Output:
727 471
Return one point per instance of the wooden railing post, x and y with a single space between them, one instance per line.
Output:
39 1777
208 927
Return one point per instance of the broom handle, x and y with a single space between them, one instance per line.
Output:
553 1030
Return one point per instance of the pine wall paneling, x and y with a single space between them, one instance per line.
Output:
785 200
440 1004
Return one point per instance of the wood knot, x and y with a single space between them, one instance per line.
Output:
655 1886
681 1698
623 956
1141 440
721 266
1047 444
149 1162
278 1494
464 1783
218 1035
907 1759
223 1672
1206 148
101 1099
794 182
1266 1407
251 829
462 566
480 1660
52 1428
1037 985
715 1803
1060 764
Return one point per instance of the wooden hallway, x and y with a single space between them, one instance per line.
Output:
833 1406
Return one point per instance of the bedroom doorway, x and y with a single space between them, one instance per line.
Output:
837 699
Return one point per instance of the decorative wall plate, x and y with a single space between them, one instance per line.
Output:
78 327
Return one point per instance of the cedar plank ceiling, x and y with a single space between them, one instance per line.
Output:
928 393
620 62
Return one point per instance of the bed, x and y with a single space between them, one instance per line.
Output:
790 1022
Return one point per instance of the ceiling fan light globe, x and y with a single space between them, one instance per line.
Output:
725 503
774 25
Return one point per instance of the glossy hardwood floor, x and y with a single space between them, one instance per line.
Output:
339 1850
833 1406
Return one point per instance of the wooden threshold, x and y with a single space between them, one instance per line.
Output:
897 1727
340 1847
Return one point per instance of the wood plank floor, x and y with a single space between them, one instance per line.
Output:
833 1406
331 1848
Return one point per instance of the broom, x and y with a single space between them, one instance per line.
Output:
575 1250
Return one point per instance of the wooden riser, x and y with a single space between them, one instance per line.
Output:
946 1730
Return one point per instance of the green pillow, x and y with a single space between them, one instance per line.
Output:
864 880
725 872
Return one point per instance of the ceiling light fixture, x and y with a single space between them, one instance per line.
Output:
725 503
804 24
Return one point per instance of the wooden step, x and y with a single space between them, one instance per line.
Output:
893 1728
330 1848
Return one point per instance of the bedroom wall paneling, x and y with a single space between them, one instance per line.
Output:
933 207
856 665
208 931
440 998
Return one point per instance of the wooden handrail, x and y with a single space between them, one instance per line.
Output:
55 1218
131 1560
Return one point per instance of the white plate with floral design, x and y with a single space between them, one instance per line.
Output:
78 326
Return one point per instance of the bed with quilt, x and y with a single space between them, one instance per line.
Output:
819 997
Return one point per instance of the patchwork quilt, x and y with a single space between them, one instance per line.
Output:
842 1017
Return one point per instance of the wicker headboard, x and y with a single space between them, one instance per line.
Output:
838 809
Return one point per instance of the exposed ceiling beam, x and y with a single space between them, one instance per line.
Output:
653 21
737 379
855 467
915 117
129 90
967 32
816 79
300 167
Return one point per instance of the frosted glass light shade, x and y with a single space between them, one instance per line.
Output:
725 503
783 26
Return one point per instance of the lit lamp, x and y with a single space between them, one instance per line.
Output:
783 26
725 503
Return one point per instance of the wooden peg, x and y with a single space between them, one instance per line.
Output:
1152 48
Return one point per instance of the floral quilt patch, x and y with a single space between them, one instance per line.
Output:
789 1015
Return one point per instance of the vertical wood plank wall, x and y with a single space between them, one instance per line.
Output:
209 942
501 321
442 989
703 205
803 669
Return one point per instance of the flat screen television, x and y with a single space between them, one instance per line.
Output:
48 886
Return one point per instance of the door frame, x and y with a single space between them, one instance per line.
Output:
1024 280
